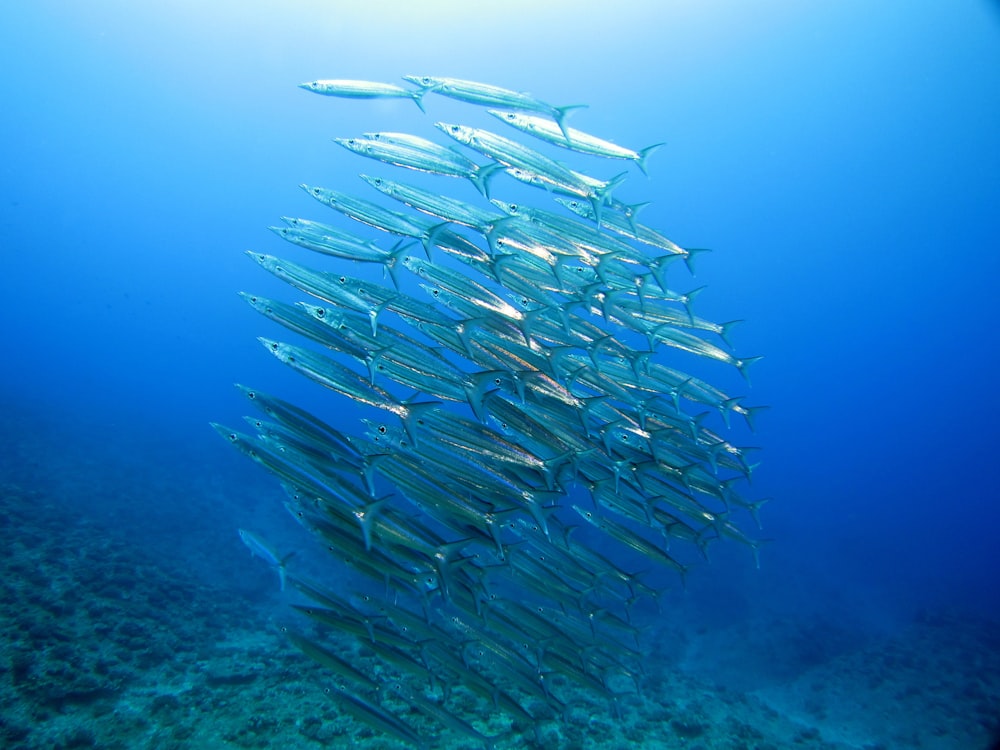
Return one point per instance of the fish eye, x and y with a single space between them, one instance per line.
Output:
513 207
511 116
251 395
320 312
497 381
454 128
343 279
382 430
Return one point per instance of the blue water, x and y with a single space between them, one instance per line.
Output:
840 159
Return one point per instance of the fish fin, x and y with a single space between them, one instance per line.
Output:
725 329
645 153
374 313
688 298
603 195
560 116
743 363
750 414
414 418
281 572
366 517
476 392
428 239
483 175
658 267
690 255
391 264
418 99
726 406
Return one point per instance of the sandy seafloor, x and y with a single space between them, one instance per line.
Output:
110 639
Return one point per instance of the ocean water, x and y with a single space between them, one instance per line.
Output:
840 160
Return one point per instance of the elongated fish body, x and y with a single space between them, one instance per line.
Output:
335 289
323 239
517 156
478 296
490 96
295 318
627 227
575 140
364 211
435 204
349 89
422 155
331 374
419 154
304 424
259 548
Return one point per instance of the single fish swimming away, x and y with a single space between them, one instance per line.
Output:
363 90
509 364
259 548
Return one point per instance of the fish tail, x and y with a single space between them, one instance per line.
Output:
603 195
645 154
483 175
743 364
418 98
391 264
560 115
281 574
429 238
750 414
690 255
727 406
688 298
725 329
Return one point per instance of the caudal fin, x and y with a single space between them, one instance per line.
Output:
645 154
560 115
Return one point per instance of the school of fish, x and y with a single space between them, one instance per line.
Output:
531 458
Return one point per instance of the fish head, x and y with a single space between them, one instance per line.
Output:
511 118
512 209
424 82
357 145
378 183
461 133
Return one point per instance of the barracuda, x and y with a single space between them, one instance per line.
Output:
422 155
364 90
548 361
572 139
474 92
